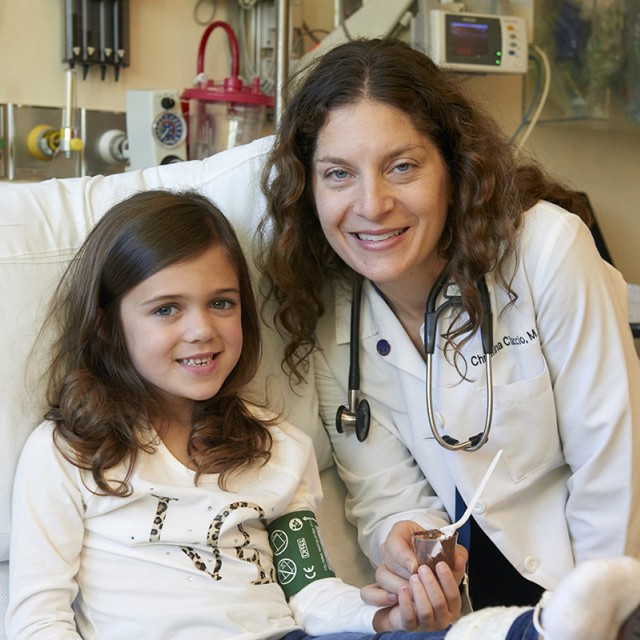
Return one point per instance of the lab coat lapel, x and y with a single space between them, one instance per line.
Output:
378 323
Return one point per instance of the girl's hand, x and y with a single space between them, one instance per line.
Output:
427 602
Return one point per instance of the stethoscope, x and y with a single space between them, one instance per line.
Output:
357 414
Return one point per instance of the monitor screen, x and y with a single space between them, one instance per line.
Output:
469 40
473 40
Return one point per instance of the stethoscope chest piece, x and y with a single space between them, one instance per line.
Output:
356 416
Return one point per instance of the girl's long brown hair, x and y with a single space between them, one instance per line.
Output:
491 190
99 402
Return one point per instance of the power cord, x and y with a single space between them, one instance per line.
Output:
540 94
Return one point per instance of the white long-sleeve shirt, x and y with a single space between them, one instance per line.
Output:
172 560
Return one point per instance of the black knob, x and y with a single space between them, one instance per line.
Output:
167 103
171 159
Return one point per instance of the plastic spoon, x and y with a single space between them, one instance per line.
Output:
451 528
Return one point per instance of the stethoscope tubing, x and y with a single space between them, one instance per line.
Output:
432 314
356 414
475 442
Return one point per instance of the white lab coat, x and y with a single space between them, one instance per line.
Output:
566 412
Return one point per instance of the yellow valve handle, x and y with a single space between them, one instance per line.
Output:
67 141
42 141
76 144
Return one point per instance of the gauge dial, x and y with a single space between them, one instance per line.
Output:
169 129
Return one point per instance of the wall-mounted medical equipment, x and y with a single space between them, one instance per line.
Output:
97 33
477 43
156 128
31 135
227 114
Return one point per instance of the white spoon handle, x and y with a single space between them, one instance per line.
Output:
450 528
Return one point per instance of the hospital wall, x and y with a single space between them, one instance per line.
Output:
604 161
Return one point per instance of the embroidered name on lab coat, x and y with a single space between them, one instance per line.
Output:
506 341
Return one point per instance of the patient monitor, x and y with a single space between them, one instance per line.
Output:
478 43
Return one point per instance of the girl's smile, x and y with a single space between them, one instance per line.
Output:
200 364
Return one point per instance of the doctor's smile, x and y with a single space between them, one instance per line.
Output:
379 236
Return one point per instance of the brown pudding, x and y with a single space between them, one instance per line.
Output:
432 546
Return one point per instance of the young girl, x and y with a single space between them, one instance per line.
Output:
146 504
155 502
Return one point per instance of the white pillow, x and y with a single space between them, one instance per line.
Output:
41 227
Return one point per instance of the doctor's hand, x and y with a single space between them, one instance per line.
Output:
427 602
399 559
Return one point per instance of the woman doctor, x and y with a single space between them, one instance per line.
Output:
384 172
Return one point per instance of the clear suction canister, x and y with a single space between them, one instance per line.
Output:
226 114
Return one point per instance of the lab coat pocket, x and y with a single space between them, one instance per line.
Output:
525 426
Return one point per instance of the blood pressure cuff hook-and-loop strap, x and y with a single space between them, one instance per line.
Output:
298 553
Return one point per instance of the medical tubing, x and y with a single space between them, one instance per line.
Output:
358 412
430 331
543 98
233 43
537 88
486 334
444 441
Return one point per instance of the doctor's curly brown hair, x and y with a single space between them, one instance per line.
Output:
491 188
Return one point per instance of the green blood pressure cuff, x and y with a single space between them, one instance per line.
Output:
297 551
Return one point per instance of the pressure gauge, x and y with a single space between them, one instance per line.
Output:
156 128
169 129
